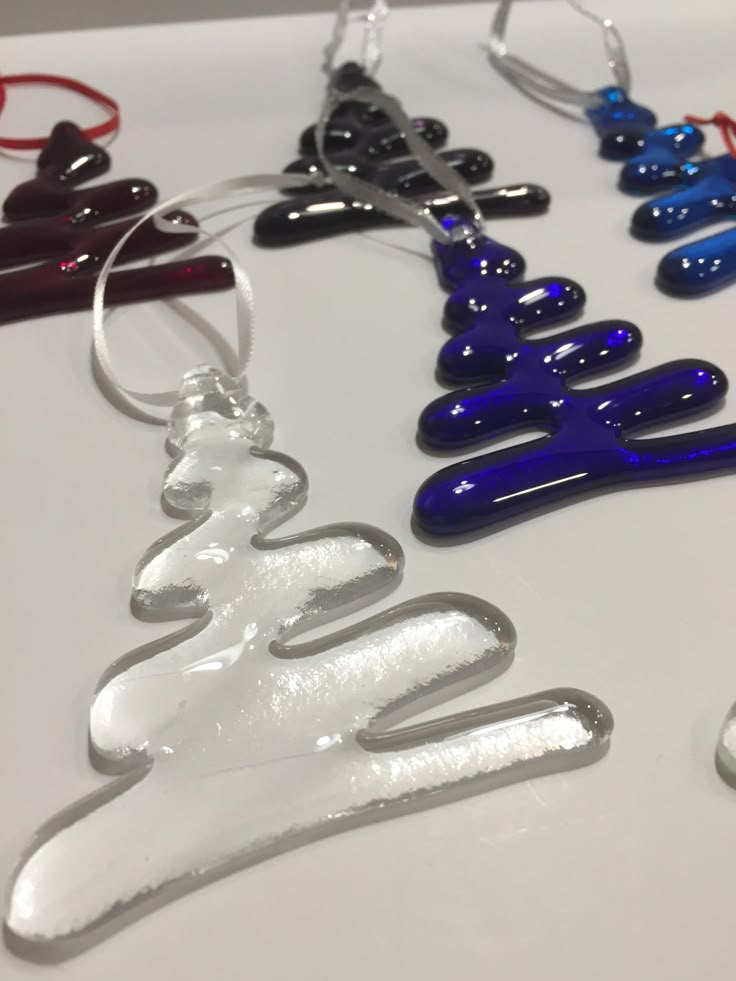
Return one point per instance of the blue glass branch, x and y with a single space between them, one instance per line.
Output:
521 383
699 267
655 157
711 199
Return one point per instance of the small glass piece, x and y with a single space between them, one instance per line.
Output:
66 160
655 157
726 748
354 147
660 158
710 199
315 216
406 176
73 237
209 395
617 113
237 742
589 446
473 258
535 303
699 267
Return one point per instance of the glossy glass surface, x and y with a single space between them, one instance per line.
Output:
67 230
536 302
661 158
589 446
360 139
316 216
406 177
66 160
710 199
361 146
239 744
523 383
477 257
655 157
617 114
699 267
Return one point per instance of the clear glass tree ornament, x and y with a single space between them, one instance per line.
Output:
235 743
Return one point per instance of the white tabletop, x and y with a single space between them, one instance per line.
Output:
619 870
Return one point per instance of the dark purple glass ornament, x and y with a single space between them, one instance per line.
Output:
50 219
66 160
328 213
362 148
515 383
362 141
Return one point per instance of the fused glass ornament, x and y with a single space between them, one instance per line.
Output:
726 748
364 148
235 742
699 267
66 231
325 214
360 140
515 383
708 263
654 157
711 199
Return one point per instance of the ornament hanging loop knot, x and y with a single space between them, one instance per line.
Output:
723 122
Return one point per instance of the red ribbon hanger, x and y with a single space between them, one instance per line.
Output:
60 81
725 124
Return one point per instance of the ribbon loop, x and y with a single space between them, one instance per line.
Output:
60 81
129 400
371 43
725 124
542 85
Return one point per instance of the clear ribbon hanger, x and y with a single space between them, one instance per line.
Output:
131 400
544 86
374 22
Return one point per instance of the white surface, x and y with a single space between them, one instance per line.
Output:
48 15
615 871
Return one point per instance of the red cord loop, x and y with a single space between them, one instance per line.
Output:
62 82
725 124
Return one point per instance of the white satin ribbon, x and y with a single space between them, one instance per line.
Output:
128 399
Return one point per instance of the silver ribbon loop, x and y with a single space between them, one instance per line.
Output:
371 43
540 84
128 399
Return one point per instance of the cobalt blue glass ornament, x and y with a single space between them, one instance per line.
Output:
514 383
709 263
699 267
711 199
654 157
